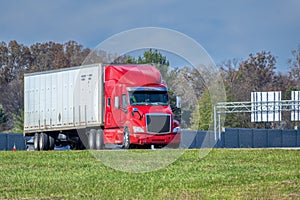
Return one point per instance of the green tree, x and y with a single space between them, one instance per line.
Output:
156 58
202 116
149 57
18 122
3 118
125 59
153 56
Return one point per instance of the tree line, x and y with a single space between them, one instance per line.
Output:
240 78
17 59
257 73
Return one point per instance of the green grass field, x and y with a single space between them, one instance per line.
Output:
222 174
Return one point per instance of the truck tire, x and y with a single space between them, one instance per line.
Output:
36 141
43 142
99 139
126 139
92 137
51 142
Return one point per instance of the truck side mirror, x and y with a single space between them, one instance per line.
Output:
178 101
135 110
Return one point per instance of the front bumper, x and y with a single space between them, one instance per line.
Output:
159 139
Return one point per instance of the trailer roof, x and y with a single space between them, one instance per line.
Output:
61 69
84 66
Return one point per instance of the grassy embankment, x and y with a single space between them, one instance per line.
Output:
222 174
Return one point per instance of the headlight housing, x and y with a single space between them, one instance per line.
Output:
138 129
176 129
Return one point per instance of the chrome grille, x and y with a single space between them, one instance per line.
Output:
158 123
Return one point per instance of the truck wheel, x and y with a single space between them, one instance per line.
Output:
43 143
51 141
92 135
99 139
126 139
36 140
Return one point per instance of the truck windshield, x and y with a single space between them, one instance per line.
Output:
148 98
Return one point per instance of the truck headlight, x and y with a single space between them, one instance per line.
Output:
176 129
138 129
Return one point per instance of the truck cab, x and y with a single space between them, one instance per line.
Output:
137 108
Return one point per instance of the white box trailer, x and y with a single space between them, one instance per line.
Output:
64 99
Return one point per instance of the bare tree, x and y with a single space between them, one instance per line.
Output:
257 73
294 65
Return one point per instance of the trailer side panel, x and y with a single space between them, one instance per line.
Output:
64 99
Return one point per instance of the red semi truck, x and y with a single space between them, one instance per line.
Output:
95 105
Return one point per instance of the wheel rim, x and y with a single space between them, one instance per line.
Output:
36 141
91 136
51 142
126 139
43 143
99 140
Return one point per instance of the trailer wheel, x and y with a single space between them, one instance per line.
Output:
126 139
36 140
92 136
51 141
43 143
99 139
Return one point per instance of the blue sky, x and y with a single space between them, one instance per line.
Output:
226 29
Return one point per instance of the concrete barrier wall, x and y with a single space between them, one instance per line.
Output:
241 138
231 138
8 140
